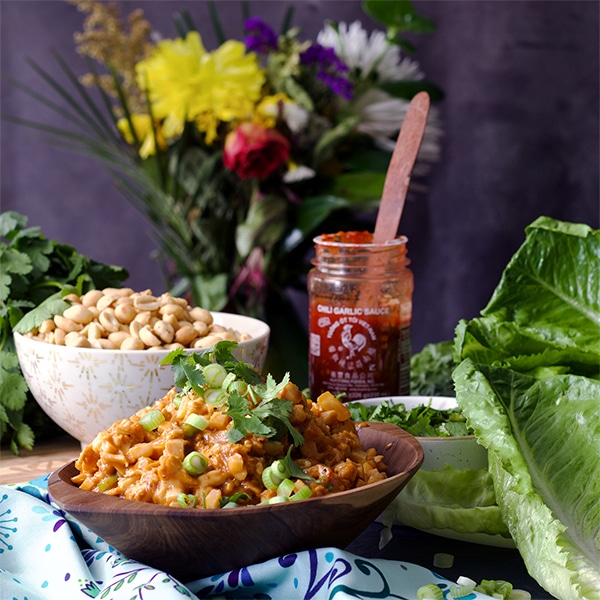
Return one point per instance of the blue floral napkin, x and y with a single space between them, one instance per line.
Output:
47 555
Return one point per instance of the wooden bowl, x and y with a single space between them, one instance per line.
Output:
190 544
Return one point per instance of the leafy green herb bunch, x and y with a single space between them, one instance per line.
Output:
35 273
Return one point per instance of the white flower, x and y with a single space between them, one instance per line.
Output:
298 173
296 117
365 54
381 117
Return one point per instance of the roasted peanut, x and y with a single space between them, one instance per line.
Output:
76 340
67 325
173 309
132 343
105 301
94 331
47 326
164 331
118 337
79 314
91 298
148 337
146 302
201 327
186 335
125 312
108 320
201 314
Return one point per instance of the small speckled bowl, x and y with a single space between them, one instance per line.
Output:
459 452
85 390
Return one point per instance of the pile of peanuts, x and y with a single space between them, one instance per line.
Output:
121 319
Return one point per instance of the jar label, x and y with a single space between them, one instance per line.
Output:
359 351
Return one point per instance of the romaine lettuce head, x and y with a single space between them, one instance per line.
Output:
543 441
529 386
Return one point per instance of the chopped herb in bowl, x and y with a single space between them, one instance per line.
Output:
420 421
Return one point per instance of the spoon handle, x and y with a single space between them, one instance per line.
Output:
401 164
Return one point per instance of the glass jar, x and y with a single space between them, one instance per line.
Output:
360 310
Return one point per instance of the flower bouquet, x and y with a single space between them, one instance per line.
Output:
240 155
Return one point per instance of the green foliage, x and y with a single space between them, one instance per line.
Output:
35 273
431 370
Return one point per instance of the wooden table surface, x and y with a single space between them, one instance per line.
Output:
46 456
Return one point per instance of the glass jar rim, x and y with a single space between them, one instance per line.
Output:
396 242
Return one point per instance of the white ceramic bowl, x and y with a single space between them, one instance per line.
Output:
85 390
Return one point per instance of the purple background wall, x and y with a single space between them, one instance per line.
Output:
521 138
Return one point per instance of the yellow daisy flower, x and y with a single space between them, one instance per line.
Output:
267 110
187 83
144 132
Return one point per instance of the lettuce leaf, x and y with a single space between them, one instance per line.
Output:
543 441
462 501
528 383
545 312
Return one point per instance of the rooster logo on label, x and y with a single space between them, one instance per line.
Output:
354 343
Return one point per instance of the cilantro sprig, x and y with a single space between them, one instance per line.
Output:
258 411
35 274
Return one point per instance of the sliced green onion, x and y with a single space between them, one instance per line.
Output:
177 400
107 483
462 580
187 500
215 397
150 421
231 505
280 469
271 482
430 591
460 591
518 594
193 424
302 494
228 381
285 488
277 500
195 463
441 560
214 374
239 386
503 587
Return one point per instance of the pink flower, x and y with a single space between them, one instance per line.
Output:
253 151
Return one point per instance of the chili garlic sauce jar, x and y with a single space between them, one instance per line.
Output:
360 309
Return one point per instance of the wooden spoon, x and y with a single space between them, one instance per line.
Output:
400 168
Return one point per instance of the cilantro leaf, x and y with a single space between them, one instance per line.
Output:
51 306
245 420
295 469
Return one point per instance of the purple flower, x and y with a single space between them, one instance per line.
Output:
330 69
261 37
